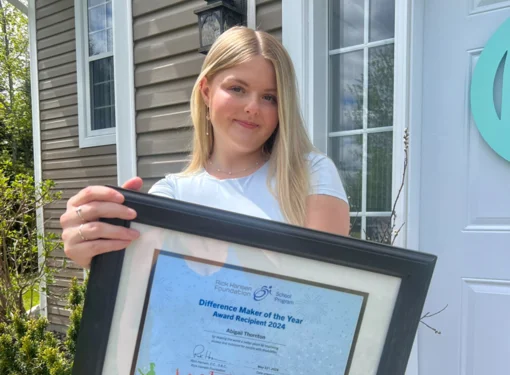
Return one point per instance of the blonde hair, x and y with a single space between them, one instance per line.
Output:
289 146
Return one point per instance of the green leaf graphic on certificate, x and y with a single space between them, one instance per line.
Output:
150 372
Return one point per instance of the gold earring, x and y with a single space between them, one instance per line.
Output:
208 122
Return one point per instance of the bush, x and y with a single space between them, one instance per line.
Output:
28 348
21 265
75 304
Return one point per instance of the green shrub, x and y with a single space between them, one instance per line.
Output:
24 252
75 304
28 348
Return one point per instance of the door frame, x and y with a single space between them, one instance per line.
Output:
305 37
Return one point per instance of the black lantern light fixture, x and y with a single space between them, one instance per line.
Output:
216 17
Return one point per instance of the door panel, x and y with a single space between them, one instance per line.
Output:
464 199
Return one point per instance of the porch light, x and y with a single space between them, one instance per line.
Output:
216 17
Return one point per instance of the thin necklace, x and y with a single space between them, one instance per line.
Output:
230 172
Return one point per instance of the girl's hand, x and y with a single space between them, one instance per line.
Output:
84 235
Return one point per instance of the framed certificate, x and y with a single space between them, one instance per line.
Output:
204 291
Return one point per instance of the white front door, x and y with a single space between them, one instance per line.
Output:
464 205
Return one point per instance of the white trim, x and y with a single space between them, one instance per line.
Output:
401 120
295 34
101 55
415 80
304 34
251 14
36 132
20 6
400 110
415 123
88 138
124 89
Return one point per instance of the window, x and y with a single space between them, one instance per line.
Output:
360 101
95 67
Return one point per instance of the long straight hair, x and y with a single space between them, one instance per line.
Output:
288 147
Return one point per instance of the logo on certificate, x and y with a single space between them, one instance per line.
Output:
262 293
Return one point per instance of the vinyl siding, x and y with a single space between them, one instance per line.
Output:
63 161
269 17
167 64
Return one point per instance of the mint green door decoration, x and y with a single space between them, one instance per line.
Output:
494 127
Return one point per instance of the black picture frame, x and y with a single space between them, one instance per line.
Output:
415 270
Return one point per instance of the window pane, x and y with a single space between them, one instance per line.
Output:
347 154
97 43
347 23
346 90
355 227
103 118
101 70
102 94
97 18
379 168
378 229
382 19
95 2
380 86
109 15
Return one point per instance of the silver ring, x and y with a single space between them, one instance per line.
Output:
78 212
81 234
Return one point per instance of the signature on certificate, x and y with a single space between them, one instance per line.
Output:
200 352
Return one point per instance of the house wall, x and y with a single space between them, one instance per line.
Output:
167 63
63 161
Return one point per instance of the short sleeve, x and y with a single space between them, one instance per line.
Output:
325 178
164 187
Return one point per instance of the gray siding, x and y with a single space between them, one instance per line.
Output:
166 66
167 63
63 161
269 17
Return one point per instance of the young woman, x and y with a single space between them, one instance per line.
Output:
251 153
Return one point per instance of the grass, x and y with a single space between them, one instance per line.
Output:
27 297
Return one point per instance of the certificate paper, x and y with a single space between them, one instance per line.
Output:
237 320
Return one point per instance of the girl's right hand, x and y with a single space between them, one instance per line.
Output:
84 235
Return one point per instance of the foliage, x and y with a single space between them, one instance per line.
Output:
15 100
28 348
21 265
75 304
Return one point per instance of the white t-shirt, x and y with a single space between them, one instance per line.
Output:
247 195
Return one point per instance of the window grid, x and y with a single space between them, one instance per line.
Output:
105 106
361 216
360 47
108 26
